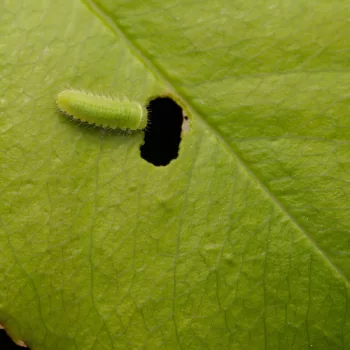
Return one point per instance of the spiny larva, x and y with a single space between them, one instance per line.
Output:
102 111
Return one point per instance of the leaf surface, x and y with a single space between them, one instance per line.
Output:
242 242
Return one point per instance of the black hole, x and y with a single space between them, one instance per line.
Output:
163 132
6 343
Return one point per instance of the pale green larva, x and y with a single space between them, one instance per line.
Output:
102 111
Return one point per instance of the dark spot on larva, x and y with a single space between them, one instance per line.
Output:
163 131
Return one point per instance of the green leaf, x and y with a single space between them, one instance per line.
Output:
242 242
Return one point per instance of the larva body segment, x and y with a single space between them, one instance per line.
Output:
102 111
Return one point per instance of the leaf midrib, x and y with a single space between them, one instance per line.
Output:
106 19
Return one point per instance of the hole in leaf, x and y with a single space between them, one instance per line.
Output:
6 343
163 132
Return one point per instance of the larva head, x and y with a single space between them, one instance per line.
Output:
103 111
